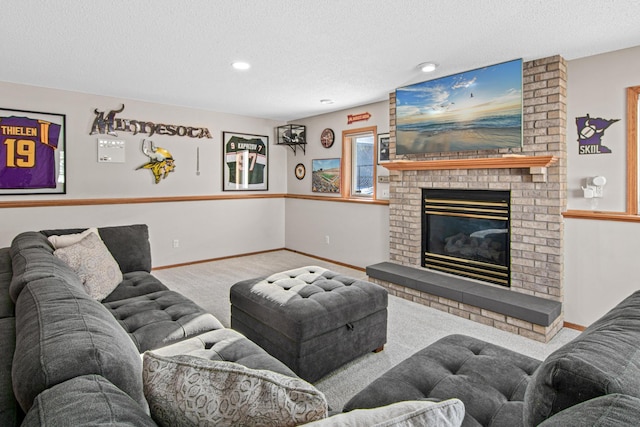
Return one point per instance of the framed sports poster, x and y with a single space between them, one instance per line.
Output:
245 161
325 175
383 147
32 151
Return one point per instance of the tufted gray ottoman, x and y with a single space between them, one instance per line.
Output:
490 380
312 319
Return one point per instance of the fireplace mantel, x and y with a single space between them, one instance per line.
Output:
537 164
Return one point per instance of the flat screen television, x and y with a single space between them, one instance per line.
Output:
479 109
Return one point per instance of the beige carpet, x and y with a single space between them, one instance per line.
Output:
411 326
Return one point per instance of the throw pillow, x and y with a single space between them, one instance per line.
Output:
415 413
94 264
62 241
190 391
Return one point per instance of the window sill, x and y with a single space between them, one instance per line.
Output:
338 199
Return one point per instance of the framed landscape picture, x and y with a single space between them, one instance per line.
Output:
32 148
245 160
475 110
325 175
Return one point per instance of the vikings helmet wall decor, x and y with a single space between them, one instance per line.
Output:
160 162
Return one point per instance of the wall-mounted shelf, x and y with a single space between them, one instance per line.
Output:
537 164
293 136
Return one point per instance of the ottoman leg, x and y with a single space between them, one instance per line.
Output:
379 349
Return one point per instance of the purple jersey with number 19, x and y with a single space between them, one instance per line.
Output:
27 153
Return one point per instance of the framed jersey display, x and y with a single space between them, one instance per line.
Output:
245 161
32 148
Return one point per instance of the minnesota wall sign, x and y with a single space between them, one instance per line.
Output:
590 134
109 124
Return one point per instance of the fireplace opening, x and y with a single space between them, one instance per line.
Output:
467 233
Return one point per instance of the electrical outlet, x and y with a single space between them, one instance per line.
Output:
176 243
326 239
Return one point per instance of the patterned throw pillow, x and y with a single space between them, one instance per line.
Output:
191 391
411 413
64 240
94 264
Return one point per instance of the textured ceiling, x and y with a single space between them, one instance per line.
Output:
355 52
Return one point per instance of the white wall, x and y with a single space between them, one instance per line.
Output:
206 229
358 233
600 256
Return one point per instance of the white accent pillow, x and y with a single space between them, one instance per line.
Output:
413 413
94 264
64 240
191 391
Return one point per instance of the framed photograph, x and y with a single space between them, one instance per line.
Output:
325 175
245 160
32 148
383 147
475 110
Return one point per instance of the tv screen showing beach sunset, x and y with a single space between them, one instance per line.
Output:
475 110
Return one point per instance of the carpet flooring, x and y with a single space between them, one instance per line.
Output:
411 326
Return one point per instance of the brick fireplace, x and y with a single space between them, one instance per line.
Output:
538 197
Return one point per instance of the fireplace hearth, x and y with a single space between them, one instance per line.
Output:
467 233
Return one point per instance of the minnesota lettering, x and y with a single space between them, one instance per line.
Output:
109 124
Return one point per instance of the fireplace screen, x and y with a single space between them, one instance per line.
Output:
466 232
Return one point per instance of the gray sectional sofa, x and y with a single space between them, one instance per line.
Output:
68 359
592 380
145 355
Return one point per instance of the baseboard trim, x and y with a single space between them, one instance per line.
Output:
202 261
185 264
574 326
326 259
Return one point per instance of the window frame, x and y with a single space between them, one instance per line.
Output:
347 162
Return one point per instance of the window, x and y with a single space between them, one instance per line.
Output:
358 163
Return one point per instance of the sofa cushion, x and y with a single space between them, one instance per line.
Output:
129 244
412 413
135 284
62 333
83 401
8 403
191 391
94 264
612 410
603 359
161 318
227 345
32 259
7 307
65 240
490 380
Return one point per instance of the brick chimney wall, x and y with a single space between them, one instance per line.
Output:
536 207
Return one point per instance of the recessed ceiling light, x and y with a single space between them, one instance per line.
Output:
326 101
428 67
240 65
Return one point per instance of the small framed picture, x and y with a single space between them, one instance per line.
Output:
325 175
32 149
245 161
383 147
